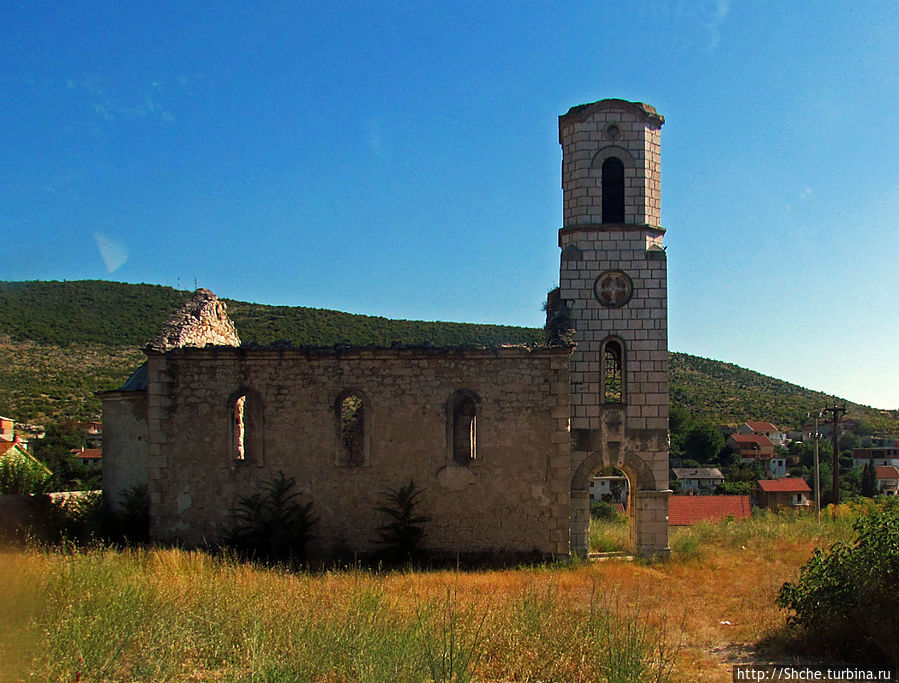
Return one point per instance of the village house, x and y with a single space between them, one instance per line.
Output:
766 429
91 457
609 489
884 455
698 479
789 493
7 429
887 480
757 448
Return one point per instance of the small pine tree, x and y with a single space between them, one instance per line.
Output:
401 536
271 526
869 480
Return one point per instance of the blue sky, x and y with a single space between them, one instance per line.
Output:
402 159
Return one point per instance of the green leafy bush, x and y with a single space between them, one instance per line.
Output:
845 603
605 511
271 526
20 474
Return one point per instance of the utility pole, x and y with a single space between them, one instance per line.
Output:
817 472
836 412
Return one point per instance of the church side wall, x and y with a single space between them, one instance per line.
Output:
125 445
514 496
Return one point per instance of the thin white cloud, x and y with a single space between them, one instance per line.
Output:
110 106
114 254
719 11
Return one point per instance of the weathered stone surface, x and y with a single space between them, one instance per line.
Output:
500 501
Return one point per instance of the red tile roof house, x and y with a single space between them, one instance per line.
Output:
687 510
791 493
887 480
765 429
92 457
753 447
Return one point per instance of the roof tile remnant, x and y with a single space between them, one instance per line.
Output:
687 510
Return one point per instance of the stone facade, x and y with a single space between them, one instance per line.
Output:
613 283
512 496
504 441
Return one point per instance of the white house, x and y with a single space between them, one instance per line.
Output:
609 489
698 478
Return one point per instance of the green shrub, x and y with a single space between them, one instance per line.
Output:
20 474
271 526
605 511
845 602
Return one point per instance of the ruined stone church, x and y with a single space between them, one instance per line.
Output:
503 440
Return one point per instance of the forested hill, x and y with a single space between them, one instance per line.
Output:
118 314
62 341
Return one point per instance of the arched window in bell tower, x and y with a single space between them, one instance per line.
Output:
612 190
612 372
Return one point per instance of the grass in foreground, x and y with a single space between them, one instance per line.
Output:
150 615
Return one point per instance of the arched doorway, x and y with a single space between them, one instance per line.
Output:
610 527
642 505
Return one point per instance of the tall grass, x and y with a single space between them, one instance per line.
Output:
155 615
172 615
764 532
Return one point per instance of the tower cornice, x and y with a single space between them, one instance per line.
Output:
581 112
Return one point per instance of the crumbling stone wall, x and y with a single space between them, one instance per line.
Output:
513 496
202 320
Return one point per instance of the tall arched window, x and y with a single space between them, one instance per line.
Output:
462 423
612 190
247 424
612 372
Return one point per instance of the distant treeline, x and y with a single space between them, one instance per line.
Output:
62 341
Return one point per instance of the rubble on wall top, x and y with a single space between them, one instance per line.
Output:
203 320
397 347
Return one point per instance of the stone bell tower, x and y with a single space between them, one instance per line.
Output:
613 283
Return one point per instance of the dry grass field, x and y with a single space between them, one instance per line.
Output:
168 614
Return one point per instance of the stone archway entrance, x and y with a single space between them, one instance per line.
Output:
647 510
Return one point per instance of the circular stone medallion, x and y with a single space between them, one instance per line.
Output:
613 289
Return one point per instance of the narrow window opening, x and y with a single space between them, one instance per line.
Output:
239 431
612 373
612 190
352 429
246 427
464 428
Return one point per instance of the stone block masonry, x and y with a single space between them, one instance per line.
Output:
511 497
619 368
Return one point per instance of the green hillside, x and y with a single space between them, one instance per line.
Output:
62 341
